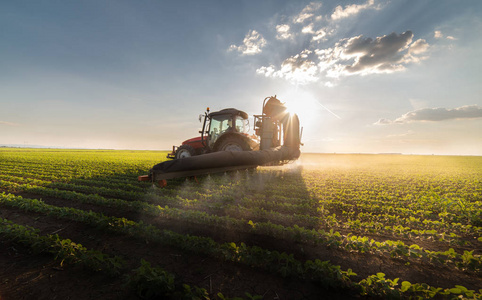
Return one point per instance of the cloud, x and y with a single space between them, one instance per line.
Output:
307 12
416 51
383 122
9 123
252 44
351 56
349 10
310 13
283 32
317 35
439 35
418 47
309 31
321 34
436 115
360 55
297 69
382 53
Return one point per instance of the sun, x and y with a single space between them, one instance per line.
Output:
306 106
303 104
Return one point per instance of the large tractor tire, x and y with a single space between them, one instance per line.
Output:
233 143
185 151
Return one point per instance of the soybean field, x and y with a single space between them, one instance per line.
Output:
76 224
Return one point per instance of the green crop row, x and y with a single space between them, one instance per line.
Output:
103 185
379 286
277 216
465 261
421 224
287 213
273 261
382 200
256 210
148 281
64 249
281 263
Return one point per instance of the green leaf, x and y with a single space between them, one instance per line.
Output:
455 291
405 286
462 288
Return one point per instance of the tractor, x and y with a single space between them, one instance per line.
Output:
227 130
224 130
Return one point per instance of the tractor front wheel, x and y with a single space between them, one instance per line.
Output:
185 151
233 144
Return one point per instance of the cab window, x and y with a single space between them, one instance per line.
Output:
241 125
218 125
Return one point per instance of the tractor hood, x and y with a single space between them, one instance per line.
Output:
193 140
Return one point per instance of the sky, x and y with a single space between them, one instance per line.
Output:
371 76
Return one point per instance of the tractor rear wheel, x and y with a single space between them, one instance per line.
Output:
233 144
185 151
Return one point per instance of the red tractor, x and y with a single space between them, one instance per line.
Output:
224 130
227 130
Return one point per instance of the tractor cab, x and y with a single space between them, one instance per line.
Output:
224 130
226 121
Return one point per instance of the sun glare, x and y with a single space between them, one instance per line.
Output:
306 106
303 104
